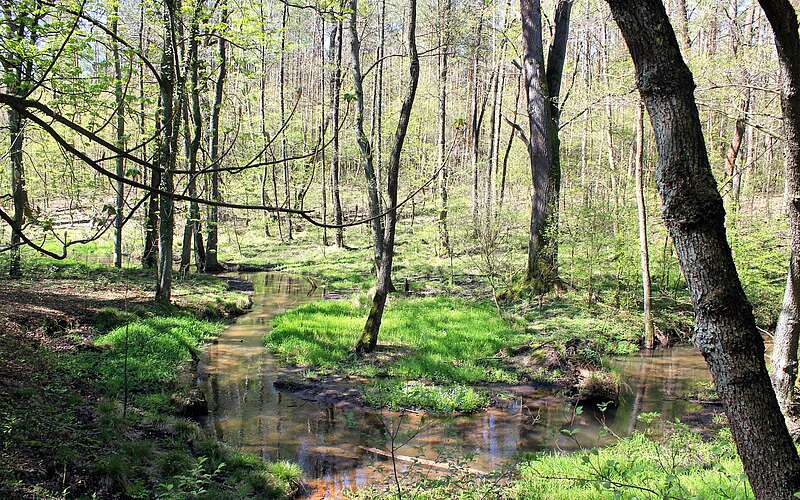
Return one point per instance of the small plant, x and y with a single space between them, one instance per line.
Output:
191 484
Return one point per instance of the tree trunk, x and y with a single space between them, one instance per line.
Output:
170 119
369 336
120 137
336 86
683 24
543 86
212 227
444 43
475 122
363 141
287 181
641 213
783 18
192 238
263 113
692 209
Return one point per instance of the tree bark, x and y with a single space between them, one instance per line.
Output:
369 336
783 18
170 119
444 44
287 182
120 136
543 86
475 121
212 227
641 214
336 86
692 209
363 141
192 238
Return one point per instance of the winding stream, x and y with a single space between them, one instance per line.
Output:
247 412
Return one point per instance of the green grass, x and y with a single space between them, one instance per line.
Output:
156 348
444 340
681 465
415 395
447 343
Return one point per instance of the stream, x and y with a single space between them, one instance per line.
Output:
248 413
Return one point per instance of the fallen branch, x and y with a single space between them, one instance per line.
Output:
423 461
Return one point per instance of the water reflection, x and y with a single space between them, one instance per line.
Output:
329 442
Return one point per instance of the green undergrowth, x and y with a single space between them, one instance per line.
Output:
71 413
680 465
397 395
443 343
155 349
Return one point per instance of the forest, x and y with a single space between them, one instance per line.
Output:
424 249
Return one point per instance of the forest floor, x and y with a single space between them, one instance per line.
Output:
446 344
70 331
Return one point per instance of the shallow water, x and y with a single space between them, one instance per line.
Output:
247 412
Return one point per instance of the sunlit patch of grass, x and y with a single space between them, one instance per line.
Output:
444 340
154 348
681 466
415 395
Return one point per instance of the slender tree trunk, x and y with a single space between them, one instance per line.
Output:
641 213
475 122
212 230
377 111
369 336
263 113
507 154
444 44
322 129
683 24
192 238
120 137
336 86
363 141
783 18
692 209
287 181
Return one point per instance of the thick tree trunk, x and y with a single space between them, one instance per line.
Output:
369 336
783 18
641 216
170 118
212 227
444 39
119 138
543 85
336 85
692 209
363 141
